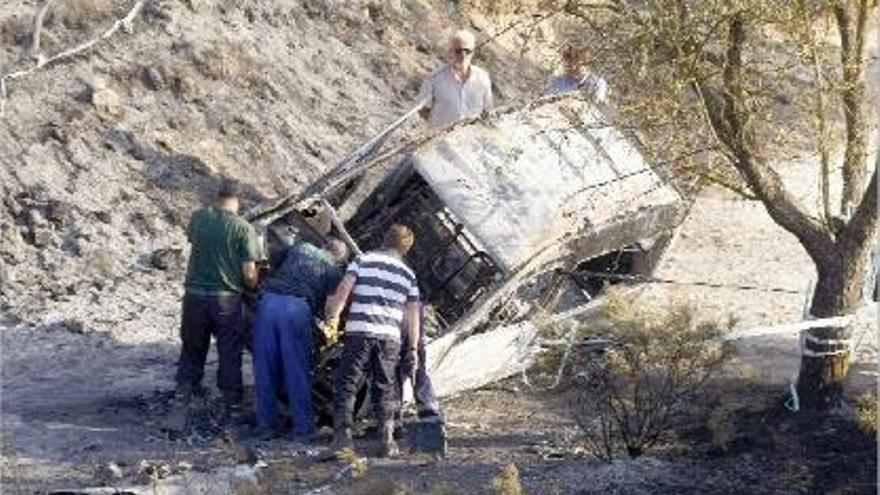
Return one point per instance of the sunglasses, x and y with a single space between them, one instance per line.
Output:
464 51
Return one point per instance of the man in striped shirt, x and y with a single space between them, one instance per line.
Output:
383 294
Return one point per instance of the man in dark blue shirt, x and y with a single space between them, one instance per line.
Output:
282 337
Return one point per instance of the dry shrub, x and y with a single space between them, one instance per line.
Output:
649 381
866 413
507 482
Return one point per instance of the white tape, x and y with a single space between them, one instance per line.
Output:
834 322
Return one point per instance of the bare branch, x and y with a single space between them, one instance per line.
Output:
762 179
821 115
38 29
852 58
124 23
862 227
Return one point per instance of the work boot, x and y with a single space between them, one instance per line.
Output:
178 414
388 446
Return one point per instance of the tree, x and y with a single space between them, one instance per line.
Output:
747 84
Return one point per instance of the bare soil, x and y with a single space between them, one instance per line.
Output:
271 93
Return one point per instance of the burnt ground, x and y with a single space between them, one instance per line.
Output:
63 430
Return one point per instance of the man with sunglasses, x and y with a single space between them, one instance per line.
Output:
459 90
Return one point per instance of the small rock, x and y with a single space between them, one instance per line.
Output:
153 79
35 218
58 212
166 258
42 237
108 102
109 473
104 216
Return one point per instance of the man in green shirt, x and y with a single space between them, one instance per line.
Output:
222 264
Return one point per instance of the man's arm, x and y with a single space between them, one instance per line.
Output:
413 322
336 302
251 251
250 274
488 99
425 98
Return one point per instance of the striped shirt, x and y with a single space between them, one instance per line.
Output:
383 286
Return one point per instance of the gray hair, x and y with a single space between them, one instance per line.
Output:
466 38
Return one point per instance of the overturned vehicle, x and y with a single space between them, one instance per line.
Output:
515 215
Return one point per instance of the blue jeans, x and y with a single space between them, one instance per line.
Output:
282 345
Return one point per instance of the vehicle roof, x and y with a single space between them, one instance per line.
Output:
532 177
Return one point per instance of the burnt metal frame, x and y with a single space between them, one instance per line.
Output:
413 197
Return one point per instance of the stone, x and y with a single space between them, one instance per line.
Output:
58 212
104 216
153 79
166 258
108 102
42 237
35 218
109 474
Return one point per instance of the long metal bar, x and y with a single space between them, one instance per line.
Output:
346 237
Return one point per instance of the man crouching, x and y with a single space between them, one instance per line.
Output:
384 292
282 338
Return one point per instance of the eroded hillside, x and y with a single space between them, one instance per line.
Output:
105 154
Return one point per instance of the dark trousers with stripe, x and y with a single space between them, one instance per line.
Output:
375 360
220 316
282 349
427 405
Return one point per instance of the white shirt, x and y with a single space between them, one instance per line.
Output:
451 100
593 85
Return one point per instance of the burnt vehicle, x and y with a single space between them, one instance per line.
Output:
515 215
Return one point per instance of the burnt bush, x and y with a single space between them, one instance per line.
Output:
651 378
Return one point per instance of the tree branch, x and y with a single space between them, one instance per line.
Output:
821 115
852 55
124 23
862 227
762 179
38 29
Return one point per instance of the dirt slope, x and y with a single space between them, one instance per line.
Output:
103 156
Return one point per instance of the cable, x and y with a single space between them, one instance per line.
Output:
658 280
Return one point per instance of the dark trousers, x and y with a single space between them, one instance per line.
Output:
373 359
220 316
427 404
282 349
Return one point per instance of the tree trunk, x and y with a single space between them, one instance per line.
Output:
826 356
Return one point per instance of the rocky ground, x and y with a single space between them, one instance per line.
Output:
103 156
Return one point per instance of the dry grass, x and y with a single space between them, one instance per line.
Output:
866 413
507 482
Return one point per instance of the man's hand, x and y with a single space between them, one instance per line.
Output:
330 329
409 363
